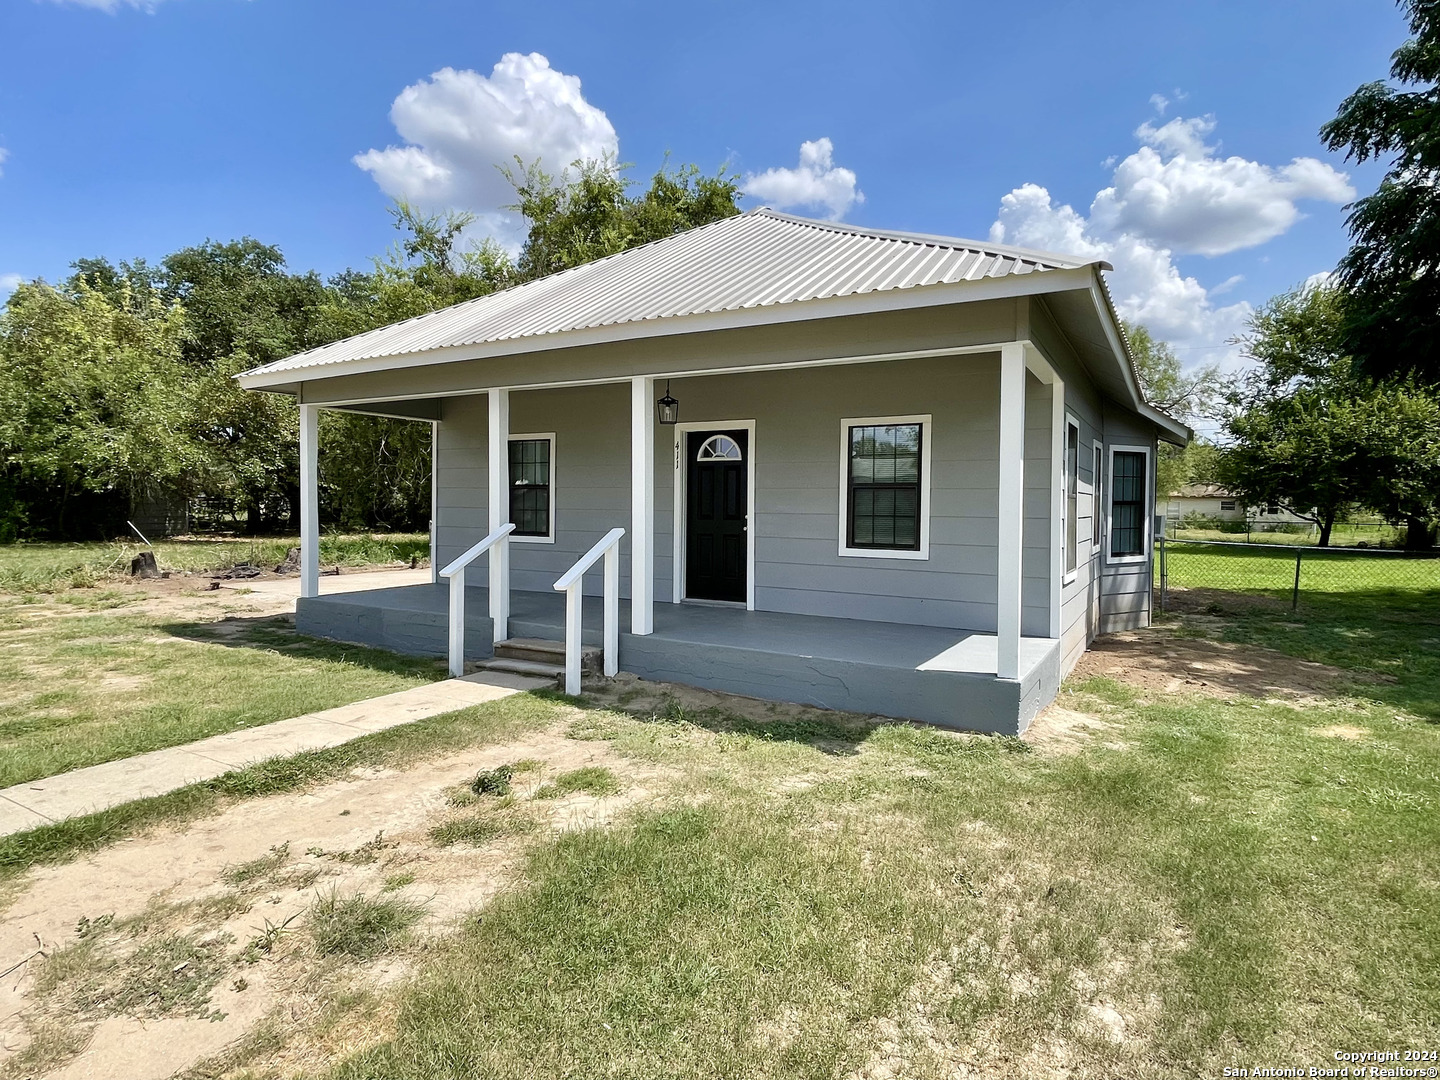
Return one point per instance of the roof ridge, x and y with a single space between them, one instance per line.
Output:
1062 261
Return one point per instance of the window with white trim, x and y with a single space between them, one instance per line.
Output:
1072 494
531 484
1129 502
885 487
1097 470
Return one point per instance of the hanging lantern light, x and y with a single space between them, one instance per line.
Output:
667 409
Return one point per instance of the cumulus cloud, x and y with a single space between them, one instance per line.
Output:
9 283
817 183
458 126
1172 197
1178 192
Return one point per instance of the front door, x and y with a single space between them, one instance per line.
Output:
717 510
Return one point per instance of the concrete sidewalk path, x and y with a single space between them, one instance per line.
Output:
99 787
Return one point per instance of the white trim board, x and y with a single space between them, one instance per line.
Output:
681 506
549 436
927 433
1148 509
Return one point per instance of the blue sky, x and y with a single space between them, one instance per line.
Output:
1179 140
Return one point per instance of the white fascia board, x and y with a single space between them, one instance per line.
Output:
920 296
1179 434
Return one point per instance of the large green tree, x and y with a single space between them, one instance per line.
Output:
1392 270
1308 432
93 395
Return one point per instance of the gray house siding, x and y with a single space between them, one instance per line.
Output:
798 477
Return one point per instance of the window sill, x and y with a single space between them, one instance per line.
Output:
531 539
1122 560
882 553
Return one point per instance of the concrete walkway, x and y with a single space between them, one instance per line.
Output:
99 787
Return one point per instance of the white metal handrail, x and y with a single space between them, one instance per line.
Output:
571 585
499 541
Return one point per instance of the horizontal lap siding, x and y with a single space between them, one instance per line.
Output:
798 478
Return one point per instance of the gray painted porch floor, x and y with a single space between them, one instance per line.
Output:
894 645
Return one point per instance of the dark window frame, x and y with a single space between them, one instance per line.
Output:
1072 496
1136 528
917 487
529 488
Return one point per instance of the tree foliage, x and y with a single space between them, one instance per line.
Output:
1392 270
1309 433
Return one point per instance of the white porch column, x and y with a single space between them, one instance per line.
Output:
1011 509
309 500
435 502
498 504
642 505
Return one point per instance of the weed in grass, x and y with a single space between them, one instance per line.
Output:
263 943
359 926
50 1044
493 781
591 780
527 765
395 882
263 868
472 831
166 975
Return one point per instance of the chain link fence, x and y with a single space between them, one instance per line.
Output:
1210 576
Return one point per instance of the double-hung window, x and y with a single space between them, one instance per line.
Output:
1129 503
885 487
532 487
1072 494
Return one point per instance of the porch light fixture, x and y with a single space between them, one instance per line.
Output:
667 409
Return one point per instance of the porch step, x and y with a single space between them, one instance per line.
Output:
524 667
544 651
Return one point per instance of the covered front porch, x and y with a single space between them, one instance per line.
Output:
933 674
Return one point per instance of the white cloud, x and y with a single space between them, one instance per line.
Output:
111 6
4 157
1176 191
458 126
1160 103
1173 197
10 282
816 184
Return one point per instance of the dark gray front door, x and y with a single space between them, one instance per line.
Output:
716 515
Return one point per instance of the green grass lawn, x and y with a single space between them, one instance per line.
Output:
82 681
1340 582
1342 535
1209 882
44 567
1205 881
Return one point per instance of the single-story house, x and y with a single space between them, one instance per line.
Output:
876 471
1218 503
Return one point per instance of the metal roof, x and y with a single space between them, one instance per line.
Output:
754 260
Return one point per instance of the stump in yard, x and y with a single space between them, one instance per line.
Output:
144 566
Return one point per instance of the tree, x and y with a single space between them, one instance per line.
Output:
1392 270
1188 397
92 402
1309 433
591 216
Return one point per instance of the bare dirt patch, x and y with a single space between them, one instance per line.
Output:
1058 730
1161 662
247 879
1341 731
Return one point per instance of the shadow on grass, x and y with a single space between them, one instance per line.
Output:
1391 632
836 734
277 634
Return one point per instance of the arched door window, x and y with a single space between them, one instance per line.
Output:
719 448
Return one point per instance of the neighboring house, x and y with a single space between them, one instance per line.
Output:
910 476
1211 501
